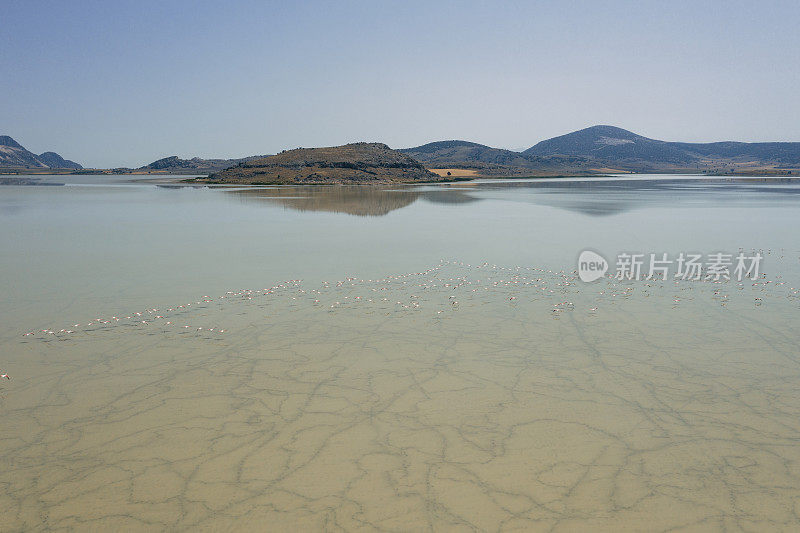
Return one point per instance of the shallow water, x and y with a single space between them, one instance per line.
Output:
409 359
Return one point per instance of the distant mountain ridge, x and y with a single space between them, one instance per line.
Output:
609 148
14 156
593 150
612 144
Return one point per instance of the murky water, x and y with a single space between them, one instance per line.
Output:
410 359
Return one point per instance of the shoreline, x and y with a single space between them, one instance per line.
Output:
178 180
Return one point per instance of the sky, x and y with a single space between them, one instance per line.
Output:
122 83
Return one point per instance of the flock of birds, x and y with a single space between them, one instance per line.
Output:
416 291
435 287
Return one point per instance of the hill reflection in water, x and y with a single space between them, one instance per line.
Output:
600 197
590 197
352 200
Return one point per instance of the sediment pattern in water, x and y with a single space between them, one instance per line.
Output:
462 397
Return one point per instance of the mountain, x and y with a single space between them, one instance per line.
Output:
603 149
352 163
616 148
196 165
14 155
609 143
53 160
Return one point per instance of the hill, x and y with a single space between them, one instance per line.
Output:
196 165
352 163
603 149
53 160
468 155
445 152
14 156
609 146
442 156
609 143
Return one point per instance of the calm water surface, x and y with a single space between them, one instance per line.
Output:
325 358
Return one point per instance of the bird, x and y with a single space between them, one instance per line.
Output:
5 376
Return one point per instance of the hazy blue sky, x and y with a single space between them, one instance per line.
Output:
125 83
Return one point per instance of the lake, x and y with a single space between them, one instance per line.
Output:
403 358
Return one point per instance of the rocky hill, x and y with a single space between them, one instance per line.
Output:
14 156
355 163
196 165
